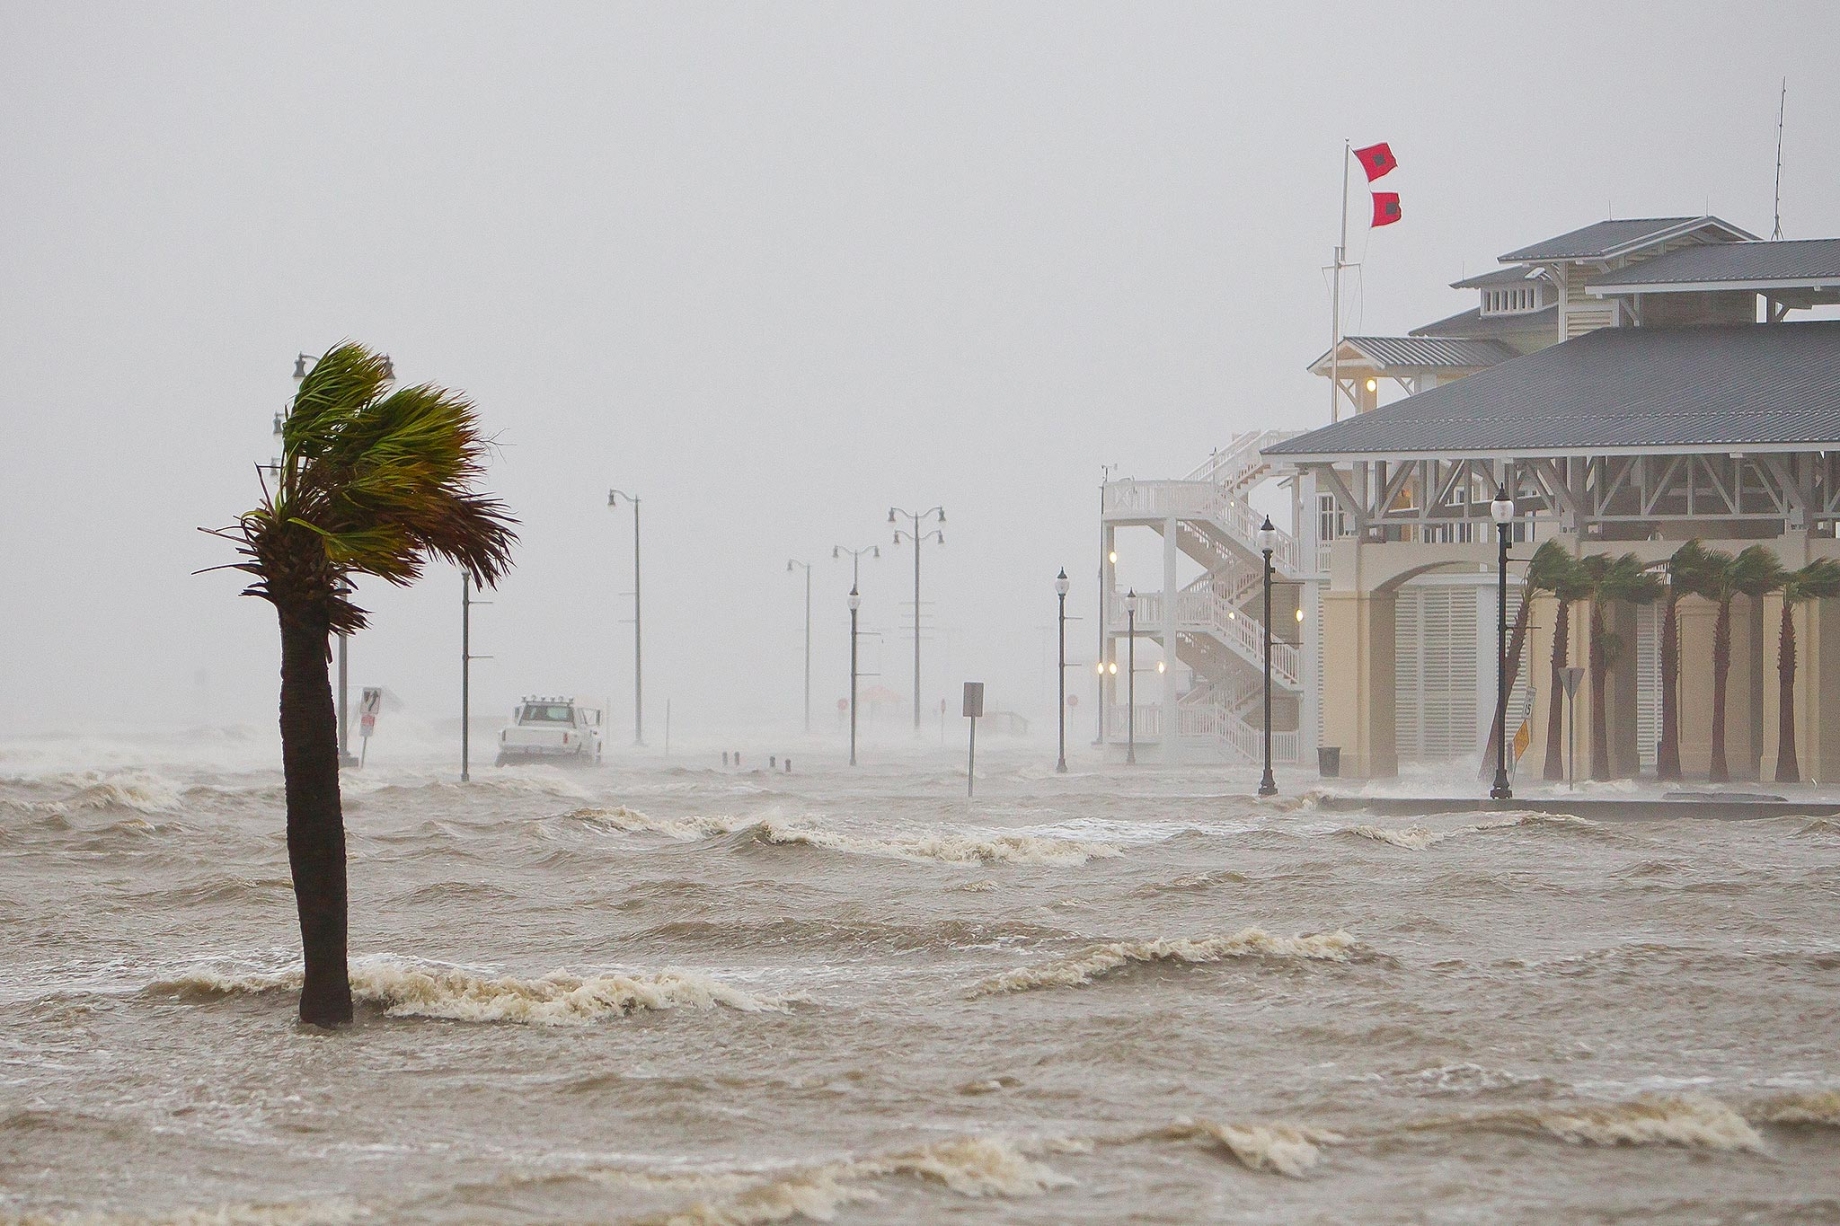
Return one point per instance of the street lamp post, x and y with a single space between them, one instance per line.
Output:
1501 510
856 556
1130 681
918 538
855 604
1267 541
1061 584
792 562
613 500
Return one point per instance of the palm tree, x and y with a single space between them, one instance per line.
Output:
1688 572
1566 584
1818 580
1610 580
369 484
1549 561
1752 573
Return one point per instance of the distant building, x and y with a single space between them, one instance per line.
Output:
1633 384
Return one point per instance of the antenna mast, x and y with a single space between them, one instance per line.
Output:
1781 105
1335 304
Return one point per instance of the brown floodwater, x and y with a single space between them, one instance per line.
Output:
679 993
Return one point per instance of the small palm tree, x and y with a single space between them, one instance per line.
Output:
1752 573
1819 580
1688 575
1608 581
1549 560
369 484
1566 581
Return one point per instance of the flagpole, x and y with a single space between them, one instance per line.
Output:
1335 308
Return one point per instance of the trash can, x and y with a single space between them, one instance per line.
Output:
1329 761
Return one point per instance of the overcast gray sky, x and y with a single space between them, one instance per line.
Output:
774 268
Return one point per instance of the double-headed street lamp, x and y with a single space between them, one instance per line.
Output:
1267 541
918 538
1061 584
790 564
1130 681
613 500
1501 510
855 604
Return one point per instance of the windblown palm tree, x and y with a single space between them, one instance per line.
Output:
1819 580
1548 562
1688 575
1752 573
369 484
1609 581
1566 583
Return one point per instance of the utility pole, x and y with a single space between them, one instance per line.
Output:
1061 584
466 669
918 538
1335 299
613 499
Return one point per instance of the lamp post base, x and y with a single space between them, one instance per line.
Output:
1501 790
1268 786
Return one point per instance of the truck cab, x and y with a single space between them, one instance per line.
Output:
557 730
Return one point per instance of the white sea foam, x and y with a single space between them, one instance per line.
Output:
96 791
1690 1120
1097 960
407 989
974 1166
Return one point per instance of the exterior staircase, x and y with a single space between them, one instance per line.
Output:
1217 629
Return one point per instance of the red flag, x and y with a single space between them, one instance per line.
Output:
1377 160
1386 208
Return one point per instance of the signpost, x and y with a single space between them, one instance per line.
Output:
368 707
974 709
1571 677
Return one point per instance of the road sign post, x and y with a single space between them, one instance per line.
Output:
974 708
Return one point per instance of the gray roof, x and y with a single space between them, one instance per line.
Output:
1425 352
1610 238
1797 263
1515 275
1767 386
1472 321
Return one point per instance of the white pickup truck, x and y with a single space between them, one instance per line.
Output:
551 730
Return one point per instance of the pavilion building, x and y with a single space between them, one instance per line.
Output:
1632 385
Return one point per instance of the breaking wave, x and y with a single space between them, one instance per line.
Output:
1418 838
1098 960
946 847
973 1166
404 989
1821 1108
97 792
1287 1149
1689 1120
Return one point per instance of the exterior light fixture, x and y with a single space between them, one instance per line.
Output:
1112 557
1373 385
1161 666
1130 601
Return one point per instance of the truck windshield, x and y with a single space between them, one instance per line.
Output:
546 713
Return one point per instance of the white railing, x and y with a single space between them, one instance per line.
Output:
1201 500
1148 727
1202 610
1240 458
1243 738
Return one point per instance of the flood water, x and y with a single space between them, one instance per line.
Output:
675 992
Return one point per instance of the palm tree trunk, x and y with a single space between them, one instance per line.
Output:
315 821
1667 756
1721 668
1788 768
1555 696
1600 709
1517 642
